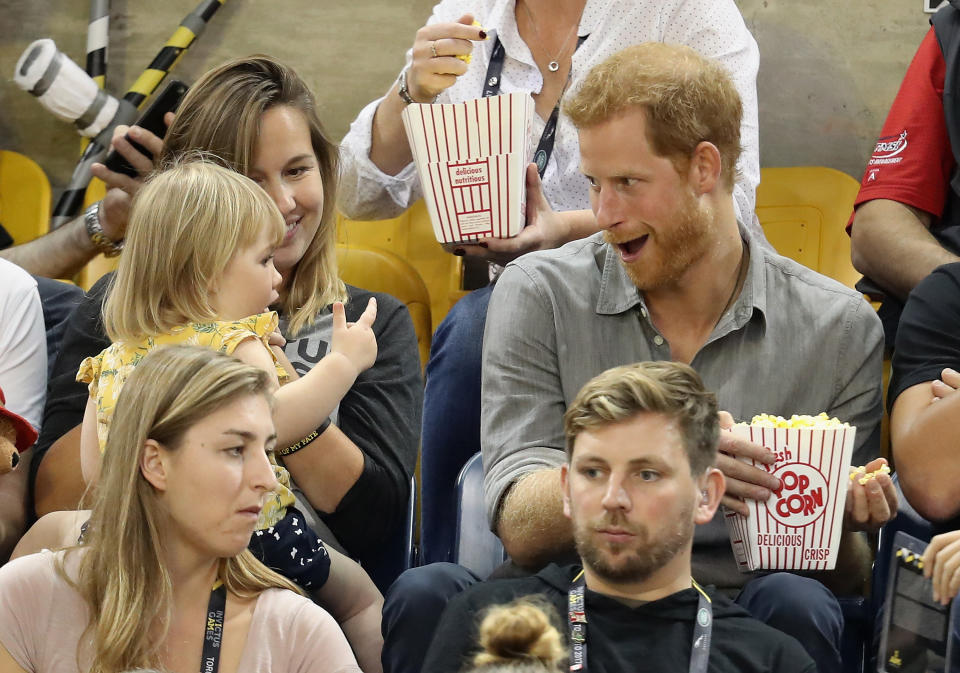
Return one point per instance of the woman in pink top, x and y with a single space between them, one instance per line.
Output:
164 579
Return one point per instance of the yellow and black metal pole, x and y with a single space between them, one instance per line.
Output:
71 200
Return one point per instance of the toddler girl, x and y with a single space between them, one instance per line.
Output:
198 268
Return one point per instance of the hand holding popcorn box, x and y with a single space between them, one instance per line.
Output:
799 527
471 159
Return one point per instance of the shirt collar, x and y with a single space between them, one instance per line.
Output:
618 294
502 21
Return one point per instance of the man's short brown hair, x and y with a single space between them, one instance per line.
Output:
669 388
687 98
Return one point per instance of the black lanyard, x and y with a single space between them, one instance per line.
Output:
491 87
702 628
214 630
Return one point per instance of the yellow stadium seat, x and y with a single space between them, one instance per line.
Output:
410 236
24 197
803 210
382 271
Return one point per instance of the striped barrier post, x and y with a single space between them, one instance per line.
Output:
71 200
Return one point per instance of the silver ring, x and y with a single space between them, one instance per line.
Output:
433 48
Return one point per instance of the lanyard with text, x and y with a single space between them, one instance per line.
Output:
491 87
702 628
214 631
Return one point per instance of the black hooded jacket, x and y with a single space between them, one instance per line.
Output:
655 636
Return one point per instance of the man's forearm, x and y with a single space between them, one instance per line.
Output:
59 254
531 523
892 245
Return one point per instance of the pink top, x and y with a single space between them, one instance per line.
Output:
42 620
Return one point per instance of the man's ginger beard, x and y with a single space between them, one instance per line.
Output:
678 246
634 562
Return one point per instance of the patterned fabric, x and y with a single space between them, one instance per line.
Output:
107 372
291 548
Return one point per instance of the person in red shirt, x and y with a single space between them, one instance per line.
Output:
903 225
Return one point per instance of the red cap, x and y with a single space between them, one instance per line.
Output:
26 435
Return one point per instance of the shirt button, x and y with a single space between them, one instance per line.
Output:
492 81
658 340
643 312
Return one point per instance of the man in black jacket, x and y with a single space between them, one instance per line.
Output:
641 446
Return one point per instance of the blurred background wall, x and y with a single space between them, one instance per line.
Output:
828 72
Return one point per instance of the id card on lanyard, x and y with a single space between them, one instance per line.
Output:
577 612
213 635
491 87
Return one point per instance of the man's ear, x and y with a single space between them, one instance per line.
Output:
712 486
565 488
705 167
153 464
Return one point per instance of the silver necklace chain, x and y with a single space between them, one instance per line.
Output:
554 63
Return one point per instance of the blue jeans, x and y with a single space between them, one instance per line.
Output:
800 607
451 419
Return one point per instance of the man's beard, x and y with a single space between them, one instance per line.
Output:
678 247
634 562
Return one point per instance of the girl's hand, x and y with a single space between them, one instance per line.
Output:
435 65
356 341
941 563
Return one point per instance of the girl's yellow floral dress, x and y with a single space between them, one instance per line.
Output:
107 372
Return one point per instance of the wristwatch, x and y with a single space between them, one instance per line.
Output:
404 92
91 218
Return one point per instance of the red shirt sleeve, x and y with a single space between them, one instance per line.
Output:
912 161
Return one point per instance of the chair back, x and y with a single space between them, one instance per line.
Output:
24 197
476 547
803 211
410 236
379 270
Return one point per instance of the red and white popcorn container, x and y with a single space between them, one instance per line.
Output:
471 159
799 527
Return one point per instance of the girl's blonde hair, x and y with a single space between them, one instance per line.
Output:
186 224
520 637
121 573
221 113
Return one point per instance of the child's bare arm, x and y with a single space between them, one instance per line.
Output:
90 445
355 602
304 404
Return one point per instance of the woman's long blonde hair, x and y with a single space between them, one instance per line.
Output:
186 224
221 113
121 572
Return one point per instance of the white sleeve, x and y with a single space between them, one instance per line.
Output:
23 344
365 192
715 28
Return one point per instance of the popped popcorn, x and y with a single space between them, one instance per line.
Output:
821 420
864 476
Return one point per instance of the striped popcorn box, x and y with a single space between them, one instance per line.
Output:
799 527
471 159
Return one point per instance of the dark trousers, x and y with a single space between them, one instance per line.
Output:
798 606
451 418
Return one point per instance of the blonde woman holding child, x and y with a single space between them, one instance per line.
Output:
157 574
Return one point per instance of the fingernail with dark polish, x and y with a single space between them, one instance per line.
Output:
483 245
483 35
459 252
